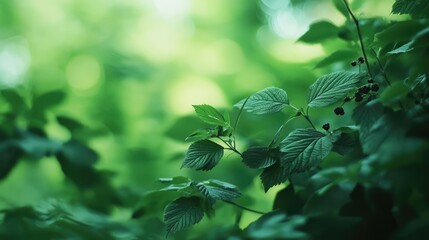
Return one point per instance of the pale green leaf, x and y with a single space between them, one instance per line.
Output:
330 88
210 115
268 100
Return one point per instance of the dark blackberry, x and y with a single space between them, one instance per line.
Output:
375 87
364 89
361 60
354 63
347 99
339 111
326 126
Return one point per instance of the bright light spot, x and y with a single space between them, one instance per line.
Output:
172 9
14 62
84 74
288 24
193 90
220 57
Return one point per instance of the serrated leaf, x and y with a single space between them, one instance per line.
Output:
304 149
274 175
258 157
330 88
319 31
218 190
210 115
418 8
203 155
183 213
268 100
337 56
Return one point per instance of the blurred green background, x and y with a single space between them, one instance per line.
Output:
132 69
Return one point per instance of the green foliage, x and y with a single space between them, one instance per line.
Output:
203 155
358 176
330 88
268 100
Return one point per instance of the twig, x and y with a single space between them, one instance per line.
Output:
360 37
244 208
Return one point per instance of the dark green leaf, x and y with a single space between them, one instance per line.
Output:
259 157
79 154
348 141
288 201
268 100
48 100
38 146
330 88
304 148
218 190
274 175
337 56
9 156
407 47
394 92
419 8
319 32
183 213
203 155
210 115
400 31
69 123
276 225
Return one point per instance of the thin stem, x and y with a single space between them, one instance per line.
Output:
230 147
244 208
239 114
381 67
307 117
360 37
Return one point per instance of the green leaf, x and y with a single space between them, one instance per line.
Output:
319 31
407 47
78 154
337 56
276 225
201 134
203 155
330 88
268 100
419 8
400 31
304 149
274 175
48 100
210 115
348 141
175 180
37 145
339 5
218 190
183 213
259 157
394 92
9 156
288 201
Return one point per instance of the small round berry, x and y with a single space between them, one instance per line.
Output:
347 99
361 60
326 126
339 111
375 88
358 98
371 80
353 64
364 89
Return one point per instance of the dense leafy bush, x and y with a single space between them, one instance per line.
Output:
360 176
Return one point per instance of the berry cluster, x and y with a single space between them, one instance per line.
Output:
360 60
367 91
